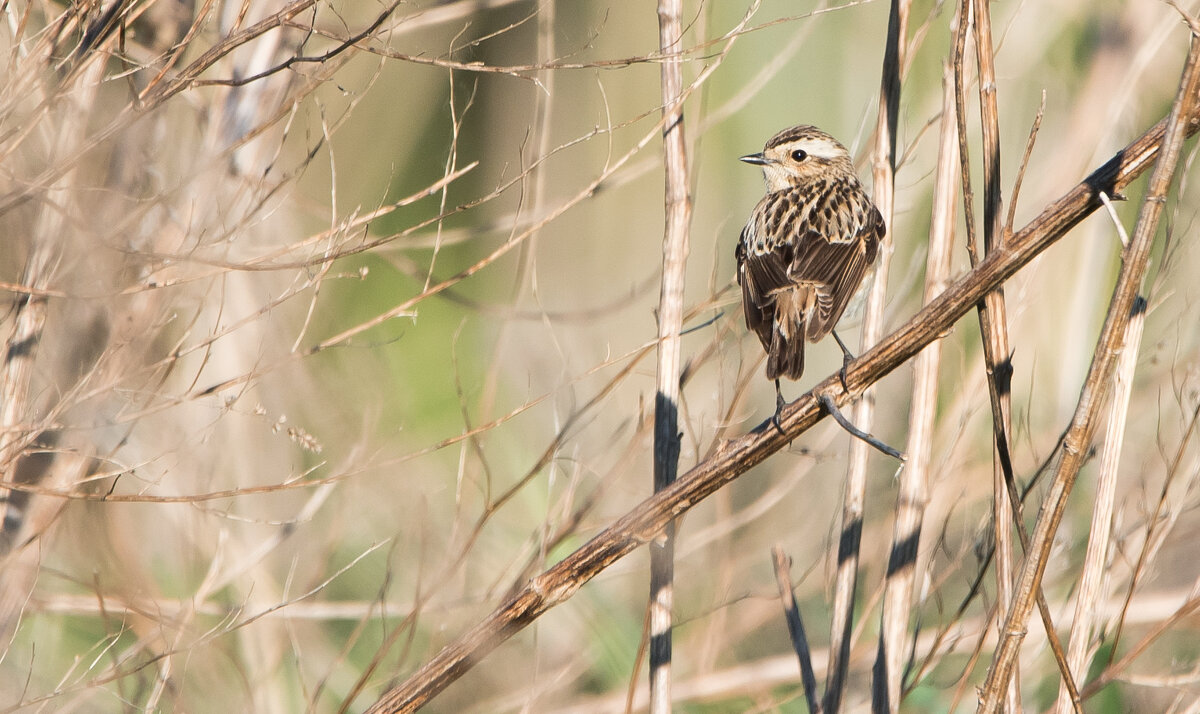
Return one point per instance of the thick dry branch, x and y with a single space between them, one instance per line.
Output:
737 456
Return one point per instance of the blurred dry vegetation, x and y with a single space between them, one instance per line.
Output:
325 333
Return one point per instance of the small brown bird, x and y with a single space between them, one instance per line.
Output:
806 248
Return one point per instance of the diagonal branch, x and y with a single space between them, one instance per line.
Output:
1096 386
737 456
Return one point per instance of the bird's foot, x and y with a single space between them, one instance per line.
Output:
847 358
780 403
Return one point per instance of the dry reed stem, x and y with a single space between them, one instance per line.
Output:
959 30
1093 580
22 518
913 488
1077 438
993 324
997 355
736 456
883 167
1158 524
678 209
795 625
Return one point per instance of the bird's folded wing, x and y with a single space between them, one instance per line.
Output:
760 276
833 258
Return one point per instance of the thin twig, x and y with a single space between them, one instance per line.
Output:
1112 213
831 407
1016 190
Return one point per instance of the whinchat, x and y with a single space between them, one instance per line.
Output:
806 248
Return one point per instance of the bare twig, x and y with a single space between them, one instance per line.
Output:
1078 436
736 456
1016 191
959 29
830 406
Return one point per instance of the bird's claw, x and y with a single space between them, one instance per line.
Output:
846 359
779 405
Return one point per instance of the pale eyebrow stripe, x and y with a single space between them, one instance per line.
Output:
818 148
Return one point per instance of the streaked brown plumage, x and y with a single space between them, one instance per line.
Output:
807 246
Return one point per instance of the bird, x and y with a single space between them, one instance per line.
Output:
805 249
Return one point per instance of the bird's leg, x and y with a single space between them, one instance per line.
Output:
779 405
829 405
847 358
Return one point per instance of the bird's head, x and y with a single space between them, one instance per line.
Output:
796 156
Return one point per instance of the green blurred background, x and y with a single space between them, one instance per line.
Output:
435 459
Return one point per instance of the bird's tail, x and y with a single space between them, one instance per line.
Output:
785 356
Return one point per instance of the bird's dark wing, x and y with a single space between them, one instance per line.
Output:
840 234
756 306
801 257
763 266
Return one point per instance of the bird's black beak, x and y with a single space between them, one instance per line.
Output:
756 159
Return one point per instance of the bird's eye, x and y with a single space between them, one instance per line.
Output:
799 155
